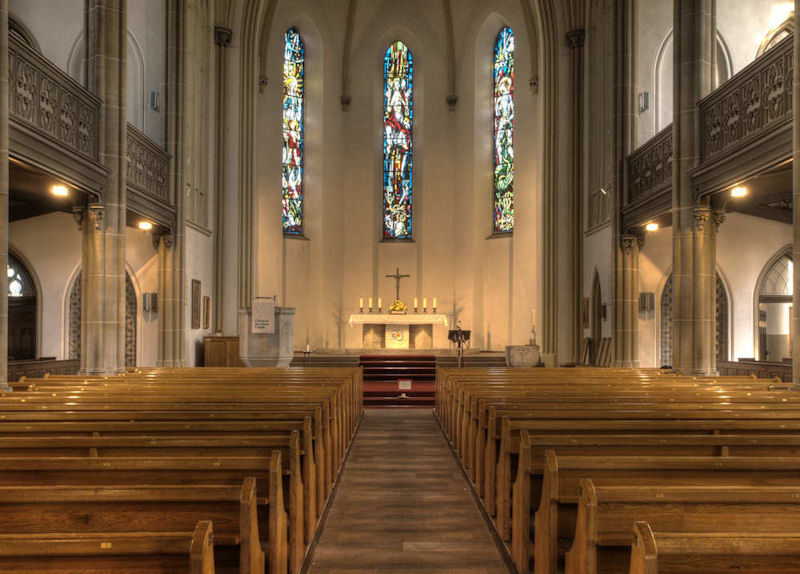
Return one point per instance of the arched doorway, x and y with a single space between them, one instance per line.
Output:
723 310
130 320
22 300
774 309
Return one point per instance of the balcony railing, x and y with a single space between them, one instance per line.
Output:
650 167
45 100
148 167
750 105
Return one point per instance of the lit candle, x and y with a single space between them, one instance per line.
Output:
370 302
425 302
360 302
380 303
434 303
415 303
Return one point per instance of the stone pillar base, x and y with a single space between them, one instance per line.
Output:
272 350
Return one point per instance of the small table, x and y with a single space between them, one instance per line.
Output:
390 331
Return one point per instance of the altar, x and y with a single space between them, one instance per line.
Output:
397 331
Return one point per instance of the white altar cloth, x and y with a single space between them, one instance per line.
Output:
392 319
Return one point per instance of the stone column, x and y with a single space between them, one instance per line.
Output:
576 40
796 202
3 192
171 325
694 38
704 280
103 288
628 301
625 120
222 38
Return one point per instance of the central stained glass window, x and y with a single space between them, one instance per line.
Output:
398 119
293 104
503 75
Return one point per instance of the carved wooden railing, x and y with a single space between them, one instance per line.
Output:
47 101
650 167
752 104
148 167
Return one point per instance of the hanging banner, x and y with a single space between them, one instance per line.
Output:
263 316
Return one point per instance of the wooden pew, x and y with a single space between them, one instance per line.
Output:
556 487
125 471
693 553
682 437
70 511
605 514
101 553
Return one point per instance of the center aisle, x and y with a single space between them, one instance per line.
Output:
403 505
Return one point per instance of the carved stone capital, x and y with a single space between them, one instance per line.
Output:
96 215
719 219
222 36
169 240
78 213
628 242
701 216
576 38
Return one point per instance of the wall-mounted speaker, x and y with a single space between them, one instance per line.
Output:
150 302
647 302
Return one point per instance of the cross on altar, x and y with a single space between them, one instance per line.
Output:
397 277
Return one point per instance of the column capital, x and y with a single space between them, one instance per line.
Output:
628 241
576 38
222 36
96 215
719 218
78 214
701 216
168 239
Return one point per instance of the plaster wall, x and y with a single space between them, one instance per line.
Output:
740 261
489 284
50 245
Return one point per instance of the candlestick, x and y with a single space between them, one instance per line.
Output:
415 305
424 304
370 304
434 303
380 303
361 302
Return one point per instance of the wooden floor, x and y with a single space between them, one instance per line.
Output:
404 506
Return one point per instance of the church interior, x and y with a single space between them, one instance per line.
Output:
441 286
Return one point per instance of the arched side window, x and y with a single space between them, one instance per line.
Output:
293 127
22 302
774 335
398 120
776 35
130 320
722 312
503 99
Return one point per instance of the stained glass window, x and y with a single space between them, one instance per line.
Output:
398 119
293 104
503 75
20 283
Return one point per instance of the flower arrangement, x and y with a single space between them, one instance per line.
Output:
398 307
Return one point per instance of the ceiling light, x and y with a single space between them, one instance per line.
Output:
60 190
145 225
740 191
651 227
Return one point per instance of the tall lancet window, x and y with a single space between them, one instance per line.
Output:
503 75
398 119
293 124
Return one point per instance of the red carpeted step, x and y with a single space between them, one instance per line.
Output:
382 374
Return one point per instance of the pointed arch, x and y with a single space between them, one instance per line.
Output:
770 287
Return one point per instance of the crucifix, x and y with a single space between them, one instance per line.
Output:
397 277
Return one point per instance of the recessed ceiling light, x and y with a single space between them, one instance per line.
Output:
739 191
651 227
60 190
145 225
